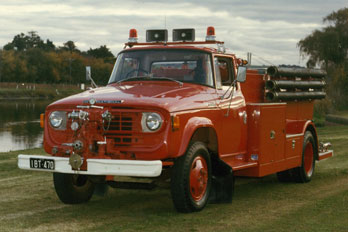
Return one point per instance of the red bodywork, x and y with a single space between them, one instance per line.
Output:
253 137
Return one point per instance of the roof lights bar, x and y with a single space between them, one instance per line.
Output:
180 37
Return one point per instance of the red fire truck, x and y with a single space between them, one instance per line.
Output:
187 110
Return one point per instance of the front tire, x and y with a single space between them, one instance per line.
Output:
304 173
191 179
73 189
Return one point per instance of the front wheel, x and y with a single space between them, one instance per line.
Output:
73 189
191 179
305 172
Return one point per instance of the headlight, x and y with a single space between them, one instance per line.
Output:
58 120
151 122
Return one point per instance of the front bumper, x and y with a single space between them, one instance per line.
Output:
138 168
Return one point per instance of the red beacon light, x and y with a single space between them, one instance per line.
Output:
133 36
210 34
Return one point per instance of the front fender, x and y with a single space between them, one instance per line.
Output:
191 126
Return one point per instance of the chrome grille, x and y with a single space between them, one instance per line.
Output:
120 123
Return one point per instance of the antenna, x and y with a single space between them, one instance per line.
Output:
165 21
249 54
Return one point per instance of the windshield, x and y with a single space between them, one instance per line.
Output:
181 65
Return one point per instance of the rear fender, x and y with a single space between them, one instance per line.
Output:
309 126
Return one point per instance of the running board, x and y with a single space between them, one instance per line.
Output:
239 165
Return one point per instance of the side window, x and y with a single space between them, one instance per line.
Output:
217 73
225 70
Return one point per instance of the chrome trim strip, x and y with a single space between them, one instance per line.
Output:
288 136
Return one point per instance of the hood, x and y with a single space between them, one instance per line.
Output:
145 94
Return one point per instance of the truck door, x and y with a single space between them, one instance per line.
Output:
232 106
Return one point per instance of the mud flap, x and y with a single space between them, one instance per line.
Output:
222 183
222 189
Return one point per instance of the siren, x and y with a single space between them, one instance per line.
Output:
133 36
210 34
184 35
157 35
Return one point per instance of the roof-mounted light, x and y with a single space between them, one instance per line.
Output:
133 36
210 34
157 35
184 35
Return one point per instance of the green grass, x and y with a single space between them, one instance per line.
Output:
28 202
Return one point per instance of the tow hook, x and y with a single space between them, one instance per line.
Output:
75 161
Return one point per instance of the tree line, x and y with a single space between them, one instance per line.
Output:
28 58
328 48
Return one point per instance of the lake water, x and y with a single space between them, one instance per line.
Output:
20 124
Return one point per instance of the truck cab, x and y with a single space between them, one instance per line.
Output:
182 109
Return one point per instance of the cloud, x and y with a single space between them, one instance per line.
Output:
270 29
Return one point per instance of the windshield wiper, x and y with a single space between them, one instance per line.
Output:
167 78
149 78
133 79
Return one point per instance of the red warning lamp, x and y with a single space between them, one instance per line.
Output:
133 36
210 34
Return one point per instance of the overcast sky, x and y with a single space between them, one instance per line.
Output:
270 29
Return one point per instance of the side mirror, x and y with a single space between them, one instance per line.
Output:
241 74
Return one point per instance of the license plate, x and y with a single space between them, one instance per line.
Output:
38 163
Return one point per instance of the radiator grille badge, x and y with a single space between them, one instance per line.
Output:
92 101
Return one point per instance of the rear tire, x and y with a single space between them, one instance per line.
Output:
73 189
305 172
191 179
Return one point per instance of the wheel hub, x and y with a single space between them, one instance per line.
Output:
198 178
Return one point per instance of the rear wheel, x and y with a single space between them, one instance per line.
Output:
305 172
191 179
73 189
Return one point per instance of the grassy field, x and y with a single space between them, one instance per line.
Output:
28 202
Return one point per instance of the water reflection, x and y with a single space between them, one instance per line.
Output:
20 125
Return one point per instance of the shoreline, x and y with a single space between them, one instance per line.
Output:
26 98
29 91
